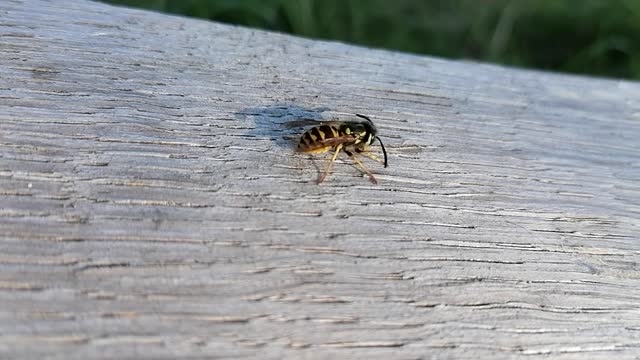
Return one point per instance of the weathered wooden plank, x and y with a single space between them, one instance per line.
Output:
152 205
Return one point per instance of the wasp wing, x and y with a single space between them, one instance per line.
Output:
302 122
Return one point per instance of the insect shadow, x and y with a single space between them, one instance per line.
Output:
281 123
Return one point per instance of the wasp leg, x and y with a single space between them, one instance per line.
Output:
333 159
369 155
361 165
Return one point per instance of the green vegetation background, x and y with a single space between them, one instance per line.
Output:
597 37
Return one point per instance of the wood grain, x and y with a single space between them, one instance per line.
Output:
152 204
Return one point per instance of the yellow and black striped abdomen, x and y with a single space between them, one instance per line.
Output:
314 139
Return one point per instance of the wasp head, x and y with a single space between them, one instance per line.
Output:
370 135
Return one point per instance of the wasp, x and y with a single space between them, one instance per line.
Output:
352 137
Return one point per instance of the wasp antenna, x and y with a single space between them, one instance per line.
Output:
364 117
384 151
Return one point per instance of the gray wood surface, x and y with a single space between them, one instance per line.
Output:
152 204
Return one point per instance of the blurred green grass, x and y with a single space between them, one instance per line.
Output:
595 37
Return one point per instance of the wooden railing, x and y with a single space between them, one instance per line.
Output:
152 204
